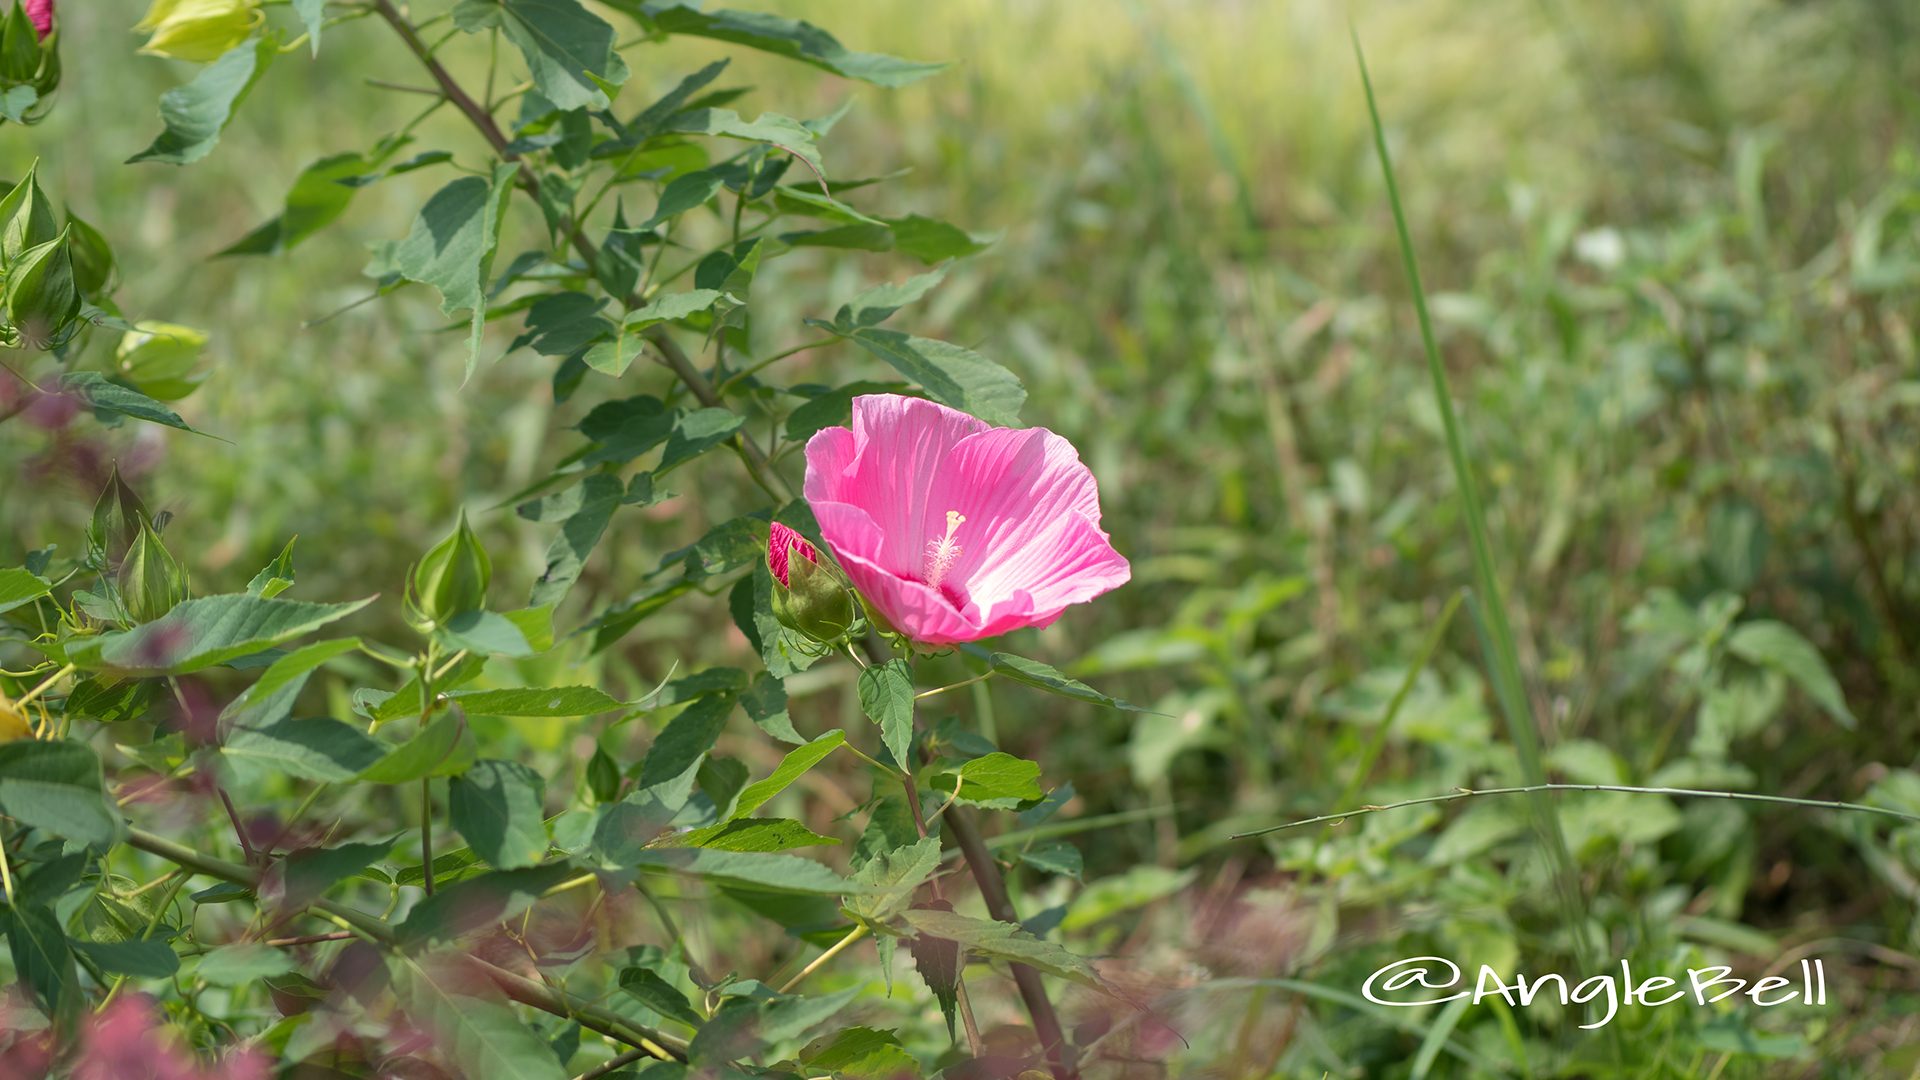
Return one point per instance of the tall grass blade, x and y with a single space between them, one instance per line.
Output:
1497 633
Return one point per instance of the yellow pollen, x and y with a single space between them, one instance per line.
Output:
943 550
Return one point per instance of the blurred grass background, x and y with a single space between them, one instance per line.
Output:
1674 250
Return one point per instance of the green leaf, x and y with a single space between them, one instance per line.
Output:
1005 941
932 241
952 375
43 963
477 903
196 113
313 15
139 958
1138 887
201 633
305 875
773 129
748 870
886 696
860 1053
695 433
291 670
659 995
483 1038
674 758
1054 857
105 396
791 768
274 578
998 781
451 246
766 705
535 701
1779 647
791 38
317 199
873 306
569 50
57 786
1036 674
443 748
891 877
320 748
19 587
752 834
595 500
243 963
496 807
512 633
614 357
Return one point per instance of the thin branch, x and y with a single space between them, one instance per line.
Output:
820 961
1531 789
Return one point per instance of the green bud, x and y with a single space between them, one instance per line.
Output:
161 360
19 47
815 602
26 218
41 299
452 578
94 271
116 523
198 30
603 776
151 582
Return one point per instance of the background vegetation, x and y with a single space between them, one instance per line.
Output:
1673 253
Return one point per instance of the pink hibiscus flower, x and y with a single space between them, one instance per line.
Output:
40 13
956 530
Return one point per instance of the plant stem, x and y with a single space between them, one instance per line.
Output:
523 990
426 834
1535 789
42 688
836 949
938 690
993 891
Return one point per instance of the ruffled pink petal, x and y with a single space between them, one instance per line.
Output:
1070 563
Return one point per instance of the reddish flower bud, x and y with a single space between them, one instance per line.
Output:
40 12
780 542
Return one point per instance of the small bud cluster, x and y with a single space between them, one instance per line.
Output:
29 61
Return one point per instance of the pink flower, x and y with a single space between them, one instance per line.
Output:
781 541
129 1039
956 530
40 13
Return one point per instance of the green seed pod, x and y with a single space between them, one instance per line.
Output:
41 299
151 581
452 578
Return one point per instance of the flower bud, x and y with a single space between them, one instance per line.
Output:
809 598
40 13
29 59
116 523
41 299
151 581
161 360
198 30
94 270
452 578
26 218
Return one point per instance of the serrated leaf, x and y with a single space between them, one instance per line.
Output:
873 306
495 805
290 671
886 696
892 877
317 199
305 875
534 701
320 748
597 497
103 395
451 246
783 132
997 780
1036 674
1779 647
792 38
57 786
42 962
18 586
1005 941
615 356
674 758
483 1038
951 374
195 114
478 902
659 995
752 834
568 49
201 633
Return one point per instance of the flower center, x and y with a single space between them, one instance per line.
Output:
943 550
